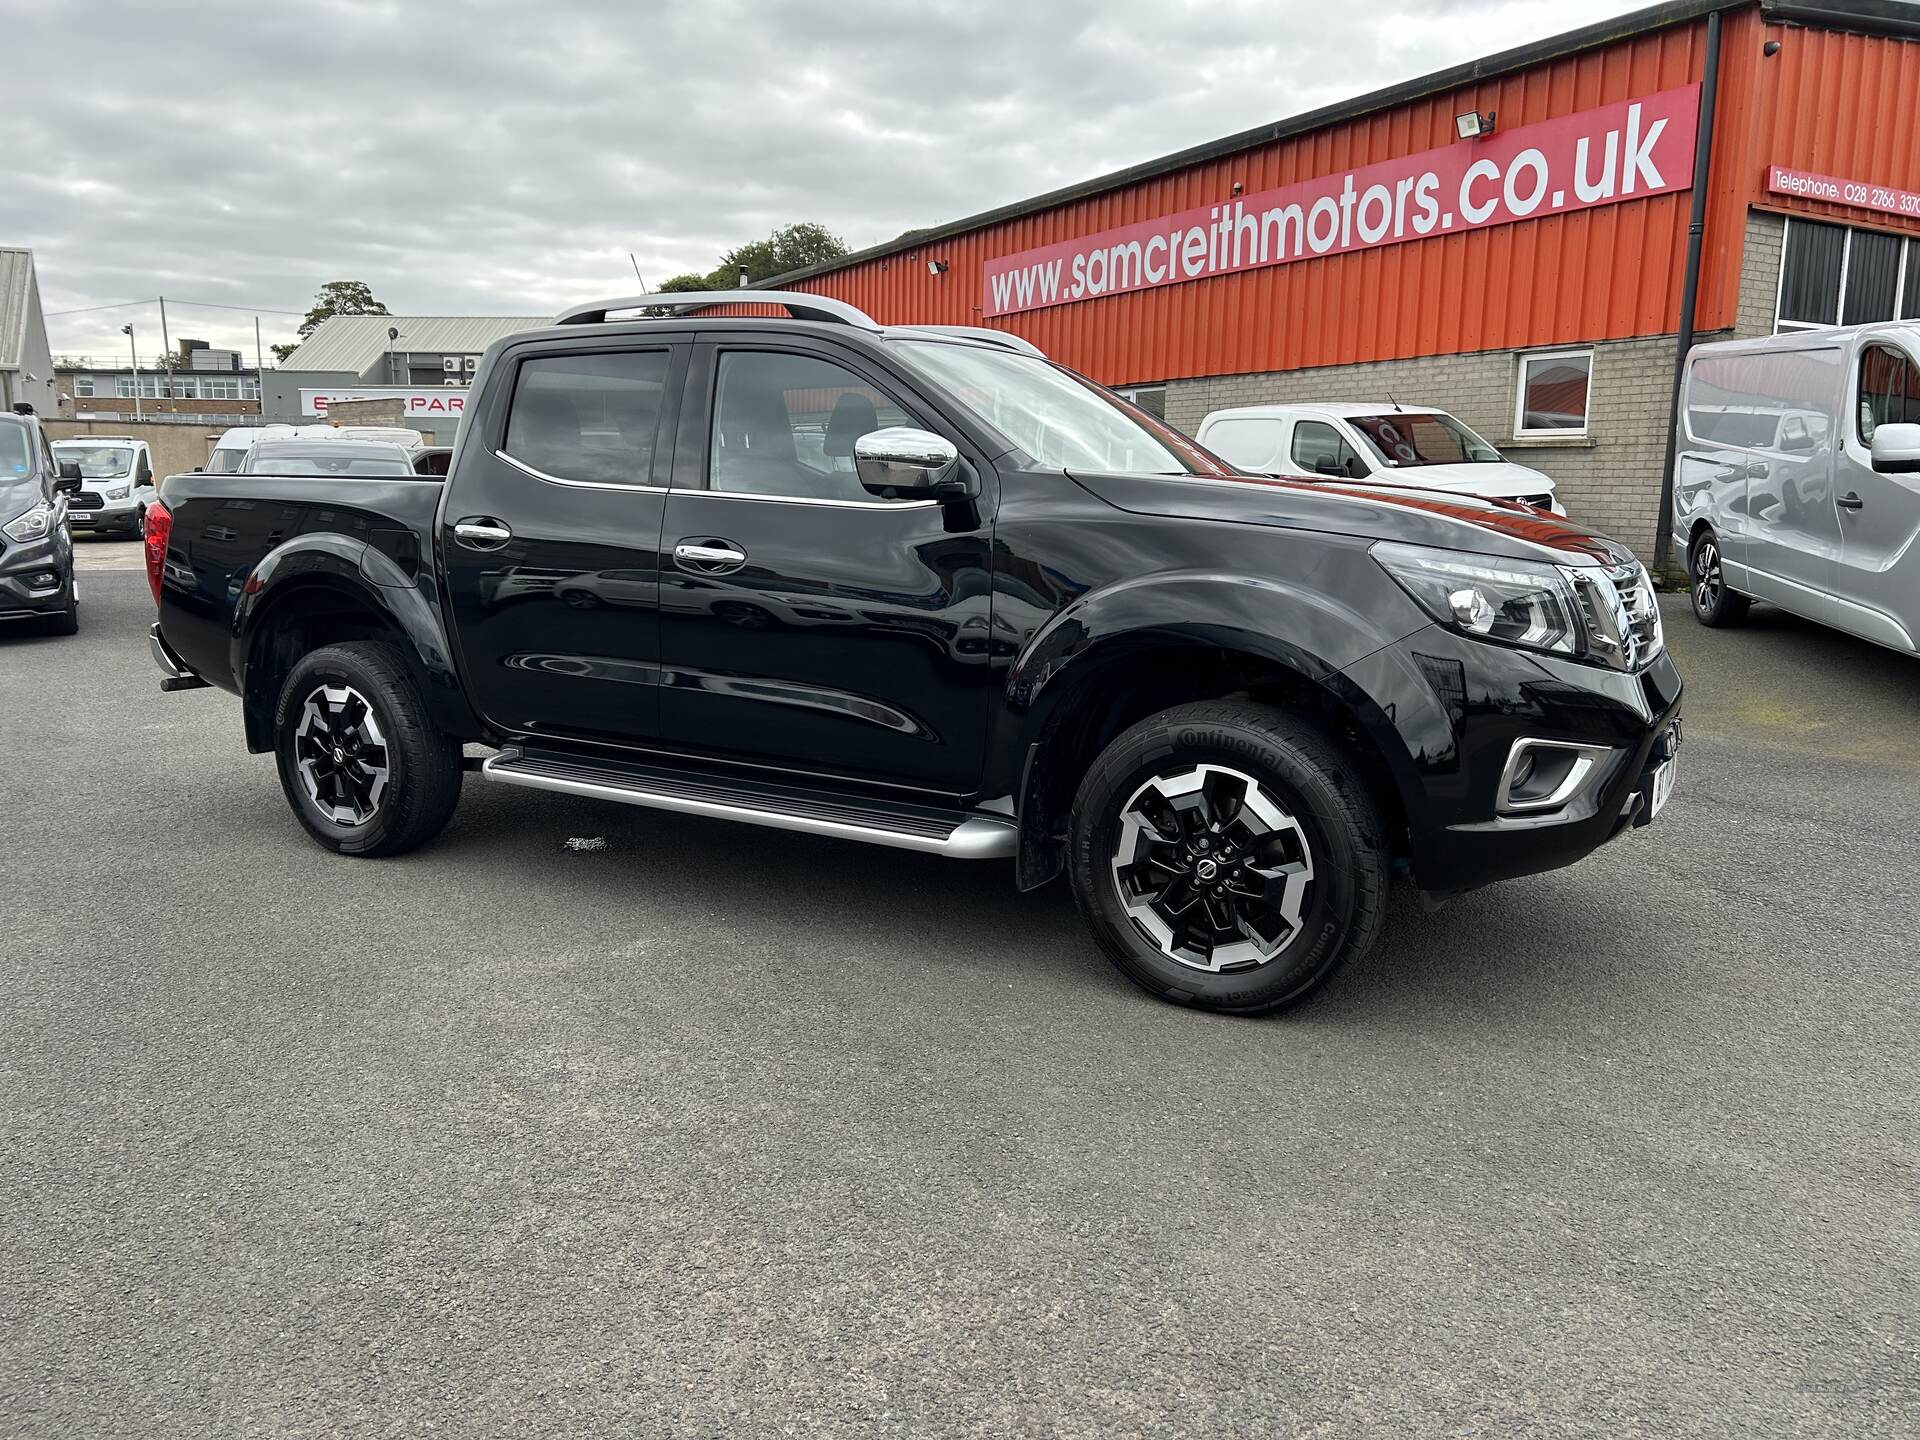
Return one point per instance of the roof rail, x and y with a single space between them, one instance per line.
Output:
800 305
981 332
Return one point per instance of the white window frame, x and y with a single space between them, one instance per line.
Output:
1782 327
1528 357
83 387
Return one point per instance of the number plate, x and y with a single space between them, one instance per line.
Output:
1662 787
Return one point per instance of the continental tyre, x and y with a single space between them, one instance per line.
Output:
1713 603
1226 857
360 761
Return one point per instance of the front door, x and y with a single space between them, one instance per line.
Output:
806 624
550 537
1880 514
1783 449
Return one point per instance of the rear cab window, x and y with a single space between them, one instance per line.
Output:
590 418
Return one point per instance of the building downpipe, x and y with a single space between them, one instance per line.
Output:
1690 294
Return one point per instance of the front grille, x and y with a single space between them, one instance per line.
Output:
86 500
1539 502
1622 613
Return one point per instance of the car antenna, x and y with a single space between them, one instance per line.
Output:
1395 403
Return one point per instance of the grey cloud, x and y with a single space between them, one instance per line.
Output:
503 157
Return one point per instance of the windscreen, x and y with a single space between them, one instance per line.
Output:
97 462
226 462
1404 440
266 462
1059 419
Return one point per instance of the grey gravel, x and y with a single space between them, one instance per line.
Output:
720 1131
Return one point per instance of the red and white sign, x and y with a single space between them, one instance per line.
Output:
1625 151
1807 186
423 404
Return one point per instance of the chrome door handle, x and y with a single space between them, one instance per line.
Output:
710 554
481 532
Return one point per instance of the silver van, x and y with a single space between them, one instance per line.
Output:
1798 479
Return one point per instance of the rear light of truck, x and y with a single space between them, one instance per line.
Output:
159 527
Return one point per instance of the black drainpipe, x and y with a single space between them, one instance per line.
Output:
1696 230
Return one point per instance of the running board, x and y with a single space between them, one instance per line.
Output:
956 834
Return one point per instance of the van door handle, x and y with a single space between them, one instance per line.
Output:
482 532
1851 501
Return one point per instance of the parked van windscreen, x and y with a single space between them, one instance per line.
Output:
97 462
226 462
1403 440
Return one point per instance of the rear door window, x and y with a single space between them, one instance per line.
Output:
591 419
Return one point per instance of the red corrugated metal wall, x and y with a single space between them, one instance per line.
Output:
1612 271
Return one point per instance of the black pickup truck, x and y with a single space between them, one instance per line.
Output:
920 587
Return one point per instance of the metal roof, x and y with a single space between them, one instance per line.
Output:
356 342
16 292
1900 18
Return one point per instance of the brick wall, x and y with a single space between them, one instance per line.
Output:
1760 274
1609 481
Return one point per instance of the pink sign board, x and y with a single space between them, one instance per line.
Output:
1808 186
1624 151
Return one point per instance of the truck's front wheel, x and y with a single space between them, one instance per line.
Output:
1227 857
360 760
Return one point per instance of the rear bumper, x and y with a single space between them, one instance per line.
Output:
1459 706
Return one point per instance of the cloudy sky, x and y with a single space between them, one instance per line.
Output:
502 157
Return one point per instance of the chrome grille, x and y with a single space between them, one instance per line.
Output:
1622 613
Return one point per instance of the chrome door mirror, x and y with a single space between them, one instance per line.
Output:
1896 449
901 463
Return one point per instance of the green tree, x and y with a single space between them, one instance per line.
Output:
791 248
336 297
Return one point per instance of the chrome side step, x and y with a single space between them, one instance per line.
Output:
956 834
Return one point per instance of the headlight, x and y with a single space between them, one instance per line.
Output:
1606 614
118 492
33 525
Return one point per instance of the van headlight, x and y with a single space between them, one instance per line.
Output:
31 526
1604 614
117 492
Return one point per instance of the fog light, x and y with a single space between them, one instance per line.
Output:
41 579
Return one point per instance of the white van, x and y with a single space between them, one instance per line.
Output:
116 483
1387 443
230 450
1797 479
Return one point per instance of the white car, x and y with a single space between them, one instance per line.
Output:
1386 443
116 483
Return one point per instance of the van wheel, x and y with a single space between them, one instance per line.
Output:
1713 603
1226 858
360 761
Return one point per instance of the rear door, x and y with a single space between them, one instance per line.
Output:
806 624
1880 514
550 534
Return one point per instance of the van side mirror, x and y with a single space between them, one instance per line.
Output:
67 482
1330 465
1896 449
907 464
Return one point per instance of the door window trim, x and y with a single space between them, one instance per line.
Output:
704 381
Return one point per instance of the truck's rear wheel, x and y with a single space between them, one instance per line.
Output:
1226 857
359 758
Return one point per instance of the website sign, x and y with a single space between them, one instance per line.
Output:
1625 151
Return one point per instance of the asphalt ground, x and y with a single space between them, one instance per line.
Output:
588 1120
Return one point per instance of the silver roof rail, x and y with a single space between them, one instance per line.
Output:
980 332
800 305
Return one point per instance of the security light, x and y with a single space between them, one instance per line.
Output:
1473 125
936 267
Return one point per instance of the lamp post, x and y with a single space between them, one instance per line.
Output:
133 354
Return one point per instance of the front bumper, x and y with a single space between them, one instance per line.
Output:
33 577
113 515
1451 710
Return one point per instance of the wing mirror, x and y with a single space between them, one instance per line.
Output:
906 464
67 482
1896 449
1331 465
